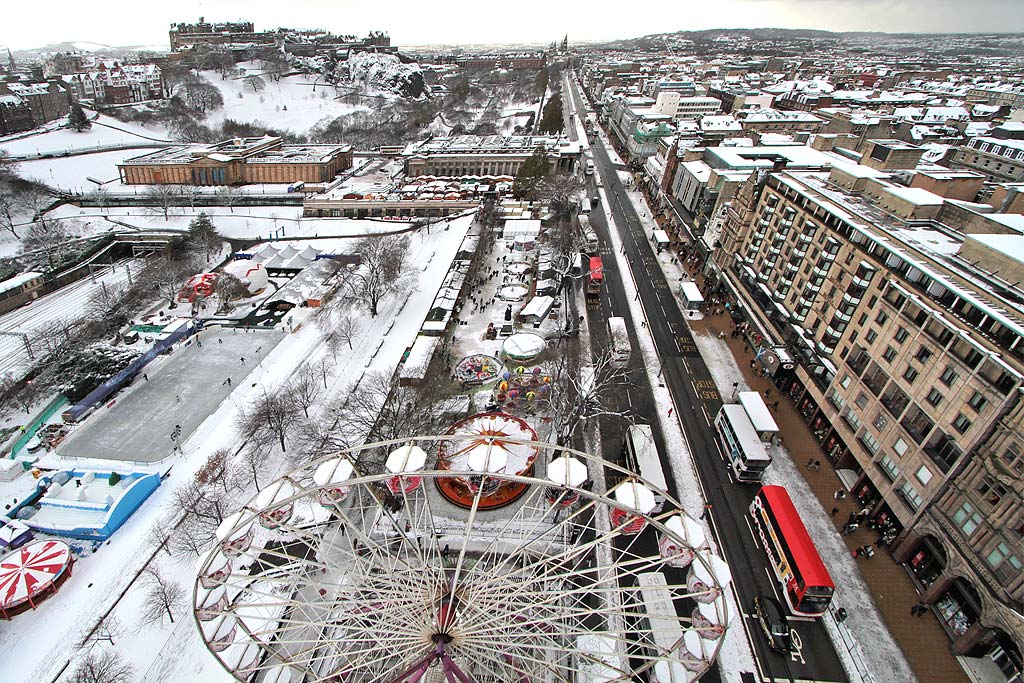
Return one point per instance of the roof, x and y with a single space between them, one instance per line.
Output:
801 547
757 411
18 280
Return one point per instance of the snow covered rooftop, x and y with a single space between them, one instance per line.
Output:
18 281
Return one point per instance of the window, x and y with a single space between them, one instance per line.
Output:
961 423
1006 564
870 442
967 518
977 402
852 420
910 375
948 376
882 317
910 496
924 475
862 400
889 355
890 468
923 355
900 447
863 319
845 382
934 397
871 336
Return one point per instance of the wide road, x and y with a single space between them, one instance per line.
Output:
697 402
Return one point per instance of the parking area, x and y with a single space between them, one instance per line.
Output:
183 389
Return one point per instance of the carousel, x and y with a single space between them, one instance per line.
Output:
522 388
477 369
31 574
515 291
486 443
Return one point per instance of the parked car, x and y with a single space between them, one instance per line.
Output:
772 618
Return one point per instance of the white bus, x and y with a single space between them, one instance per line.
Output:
618 342
588 234
643 458
660 613
742 446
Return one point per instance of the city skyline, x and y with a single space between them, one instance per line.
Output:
415 24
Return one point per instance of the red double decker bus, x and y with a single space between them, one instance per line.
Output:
805 581
595 277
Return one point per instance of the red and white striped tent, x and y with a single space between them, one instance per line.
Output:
31 574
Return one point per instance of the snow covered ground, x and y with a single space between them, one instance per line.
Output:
105 131
40 642
66 304
70 174
296 103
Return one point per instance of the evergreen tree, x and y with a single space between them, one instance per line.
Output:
77 119
203 236
531 174
551 120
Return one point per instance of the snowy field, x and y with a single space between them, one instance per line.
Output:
105 131
296 103
183 389
66 304
70 174
256 222
39 643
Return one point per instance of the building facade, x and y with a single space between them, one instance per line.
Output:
905 315
241 161
47 100
491 155
1000 160
116 83
15 115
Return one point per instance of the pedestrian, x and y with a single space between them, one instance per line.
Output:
721 334
817 465
199 344
751 363
835 511
810 464
767 392
839 494
145 377
243 360
775 406
850 528
869 552
841 615
880 542
177 399
670 411
919 609
852 519
219 340
229 381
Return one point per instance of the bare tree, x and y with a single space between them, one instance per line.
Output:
47 236
381 408
304 389
382 270
106 667
108 630
201 96
167 276
217 472
580 394
161 533
164 597
204 508
271 414
228 288
10 207
163 198
347 329
255 82
323 368
229 195
101 195
560 192
254 459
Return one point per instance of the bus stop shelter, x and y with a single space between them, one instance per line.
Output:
692 298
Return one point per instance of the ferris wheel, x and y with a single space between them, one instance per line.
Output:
336 574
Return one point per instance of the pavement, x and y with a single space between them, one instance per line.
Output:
183 389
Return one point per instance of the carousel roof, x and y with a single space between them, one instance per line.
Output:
496 431
30 570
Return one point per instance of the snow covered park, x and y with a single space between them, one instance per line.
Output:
107 585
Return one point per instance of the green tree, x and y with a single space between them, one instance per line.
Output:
77 119
551 120
531 174
203 236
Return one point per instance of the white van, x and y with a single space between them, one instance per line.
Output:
590 168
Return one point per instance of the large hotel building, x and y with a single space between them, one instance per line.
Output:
902 313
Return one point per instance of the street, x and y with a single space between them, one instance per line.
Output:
696 402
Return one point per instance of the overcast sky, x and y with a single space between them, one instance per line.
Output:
415 22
